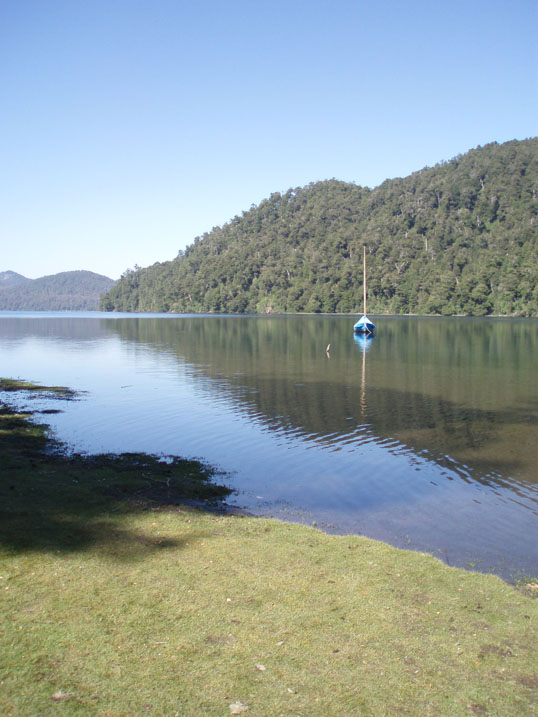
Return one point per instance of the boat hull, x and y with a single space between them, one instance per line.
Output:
364 326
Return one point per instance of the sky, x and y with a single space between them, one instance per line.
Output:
129 127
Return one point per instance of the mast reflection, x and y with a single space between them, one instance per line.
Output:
364 342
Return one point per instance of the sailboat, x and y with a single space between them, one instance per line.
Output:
364 325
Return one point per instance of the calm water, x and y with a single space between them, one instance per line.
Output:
425 436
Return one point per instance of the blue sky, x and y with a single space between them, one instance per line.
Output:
129 127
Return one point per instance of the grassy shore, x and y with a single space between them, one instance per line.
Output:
117 599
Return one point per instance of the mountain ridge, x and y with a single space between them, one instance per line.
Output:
65 291
11 278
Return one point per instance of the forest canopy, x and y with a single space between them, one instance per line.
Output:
457 238
66 291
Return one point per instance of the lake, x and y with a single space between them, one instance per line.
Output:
425 436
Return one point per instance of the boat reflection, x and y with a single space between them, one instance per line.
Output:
364 341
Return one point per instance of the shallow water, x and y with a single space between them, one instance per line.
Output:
425 436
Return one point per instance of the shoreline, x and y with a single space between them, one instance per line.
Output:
116 597
115 314
166 487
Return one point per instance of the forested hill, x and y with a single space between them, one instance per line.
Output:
457 238
10 278
66 291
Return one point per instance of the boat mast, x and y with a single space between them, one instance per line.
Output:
364 277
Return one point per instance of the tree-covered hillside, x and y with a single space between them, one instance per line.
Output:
457 238
10 278
67 291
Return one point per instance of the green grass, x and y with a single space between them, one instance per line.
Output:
118 600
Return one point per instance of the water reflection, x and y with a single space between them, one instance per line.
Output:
425 435
456 392
363 341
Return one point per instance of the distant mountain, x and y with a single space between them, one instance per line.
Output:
457 238
10 278
67 291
